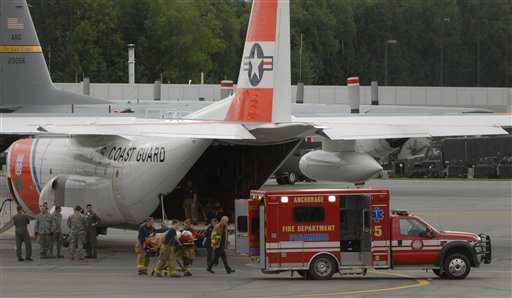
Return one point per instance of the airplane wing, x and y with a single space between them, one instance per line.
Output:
125 126
388 127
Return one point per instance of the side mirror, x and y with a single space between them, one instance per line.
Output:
429 234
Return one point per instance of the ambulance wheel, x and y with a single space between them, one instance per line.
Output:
322 267
456 266
438 273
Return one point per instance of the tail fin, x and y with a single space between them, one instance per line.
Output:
263 91
24 77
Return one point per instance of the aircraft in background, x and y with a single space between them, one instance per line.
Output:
123 165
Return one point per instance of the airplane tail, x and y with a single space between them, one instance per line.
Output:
263 91
24 77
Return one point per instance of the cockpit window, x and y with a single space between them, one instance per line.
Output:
411 227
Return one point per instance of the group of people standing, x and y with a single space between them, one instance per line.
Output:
181 242
48 231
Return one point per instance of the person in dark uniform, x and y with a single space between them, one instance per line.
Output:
219 244
170 246
21 220
91 233
190 202
208 240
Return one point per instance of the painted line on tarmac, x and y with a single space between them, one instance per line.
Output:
420 282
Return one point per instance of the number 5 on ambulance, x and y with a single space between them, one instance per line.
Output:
318 233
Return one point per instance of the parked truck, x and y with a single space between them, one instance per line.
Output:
318 233
456 157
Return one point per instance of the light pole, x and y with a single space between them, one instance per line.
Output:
388 41
447 20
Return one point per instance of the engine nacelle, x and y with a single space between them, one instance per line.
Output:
339 166
72 190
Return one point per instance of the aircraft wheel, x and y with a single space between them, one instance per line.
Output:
291 178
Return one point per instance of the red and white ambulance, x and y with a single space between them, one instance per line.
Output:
320 232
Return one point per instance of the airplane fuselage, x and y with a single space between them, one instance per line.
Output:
121 177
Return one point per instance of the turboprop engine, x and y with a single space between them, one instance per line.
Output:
69 191
339 166
344 160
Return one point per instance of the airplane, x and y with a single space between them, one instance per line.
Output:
27 88
123 165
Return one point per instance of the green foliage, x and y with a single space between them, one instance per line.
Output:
340 38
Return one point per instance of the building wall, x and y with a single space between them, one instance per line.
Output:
493 98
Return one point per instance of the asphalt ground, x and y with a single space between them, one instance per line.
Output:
472 206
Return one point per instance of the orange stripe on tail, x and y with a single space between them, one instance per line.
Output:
262 25
251 105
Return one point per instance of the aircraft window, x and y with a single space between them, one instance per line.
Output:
241 224
308 214
411 227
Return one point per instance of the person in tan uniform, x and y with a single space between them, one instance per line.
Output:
145 230
188 253
170 247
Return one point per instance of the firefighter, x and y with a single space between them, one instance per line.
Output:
220 243
170 247
145 230
188 252
207 242
44 228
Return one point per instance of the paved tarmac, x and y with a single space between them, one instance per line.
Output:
472 206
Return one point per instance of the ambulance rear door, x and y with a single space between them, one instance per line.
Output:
254 228
380 228
272 243
241 223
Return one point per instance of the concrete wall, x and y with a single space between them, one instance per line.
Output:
396 95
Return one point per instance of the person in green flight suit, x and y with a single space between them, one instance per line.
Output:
21 220
91 233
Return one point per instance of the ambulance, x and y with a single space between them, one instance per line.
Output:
318 233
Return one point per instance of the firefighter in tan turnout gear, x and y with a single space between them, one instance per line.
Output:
76 224
188 237
145 230
168 251
44 228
